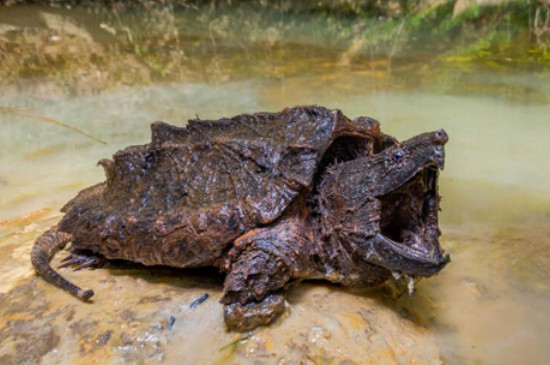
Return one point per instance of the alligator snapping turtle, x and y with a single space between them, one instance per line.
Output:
267 198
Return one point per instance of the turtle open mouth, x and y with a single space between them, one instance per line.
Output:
409 217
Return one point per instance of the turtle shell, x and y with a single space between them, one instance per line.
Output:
182 199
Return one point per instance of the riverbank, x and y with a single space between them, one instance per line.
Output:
84 47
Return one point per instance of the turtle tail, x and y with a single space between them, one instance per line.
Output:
45 247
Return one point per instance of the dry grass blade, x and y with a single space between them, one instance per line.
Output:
23 113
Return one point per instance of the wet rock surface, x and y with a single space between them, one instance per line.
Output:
143 315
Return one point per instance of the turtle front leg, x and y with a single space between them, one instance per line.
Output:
260 265
254 289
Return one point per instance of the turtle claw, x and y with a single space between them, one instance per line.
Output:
79 262
69 261
67 258
92 261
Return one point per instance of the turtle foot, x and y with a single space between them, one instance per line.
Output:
239 317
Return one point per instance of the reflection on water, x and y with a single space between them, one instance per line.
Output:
488 306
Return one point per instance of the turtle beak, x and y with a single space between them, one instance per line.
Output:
397 257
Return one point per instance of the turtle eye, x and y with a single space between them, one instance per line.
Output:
398 156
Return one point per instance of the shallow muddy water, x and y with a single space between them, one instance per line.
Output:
489 306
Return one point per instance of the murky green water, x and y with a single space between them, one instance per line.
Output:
490 305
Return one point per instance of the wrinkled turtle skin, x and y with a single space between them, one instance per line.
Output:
268 198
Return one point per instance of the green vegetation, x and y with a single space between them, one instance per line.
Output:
86 46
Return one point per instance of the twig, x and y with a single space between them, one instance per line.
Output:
198 301
236 342
20 112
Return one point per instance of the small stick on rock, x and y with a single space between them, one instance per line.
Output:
196 302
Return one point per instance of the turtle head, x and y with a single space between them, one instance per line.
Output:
394 166
406 185
386 205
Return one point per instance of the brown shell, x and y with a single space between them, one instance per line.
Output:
183 198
